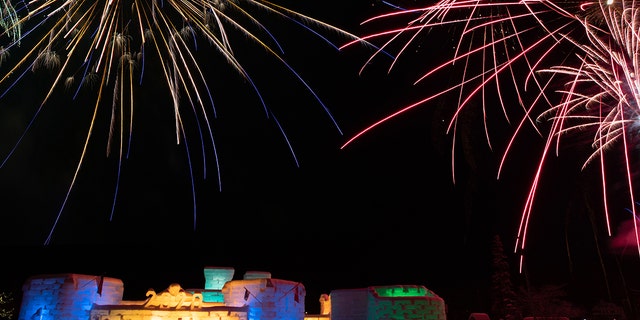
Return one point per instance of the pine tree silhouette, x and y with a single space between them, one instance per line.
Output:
503 300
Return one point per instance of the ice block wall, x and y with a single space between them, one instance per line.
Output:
268 299
214 280
67 296
407 302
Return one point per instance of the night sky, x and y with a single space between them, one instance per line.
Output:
385 210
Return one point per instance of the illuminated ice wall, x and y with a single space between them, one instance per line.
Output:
67 296
256 297
214 280
266 298
387 302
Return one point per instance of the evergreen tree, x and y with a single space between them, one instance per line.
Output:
6 306
502 295
550 301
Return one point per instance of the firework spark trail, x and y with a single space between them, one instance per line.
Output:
105 42
591 88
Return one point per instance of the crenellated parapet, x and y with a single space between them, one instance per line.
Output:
408 302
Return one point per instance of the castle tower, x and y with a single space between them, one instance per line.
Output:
266 298
67 296
214 280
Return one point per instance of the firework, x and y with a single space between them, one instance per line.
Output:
103 46
563 68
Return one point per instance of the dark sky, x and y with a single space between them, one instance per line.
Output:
382 211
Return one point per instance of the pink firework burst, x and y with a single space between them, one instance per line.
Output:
563 67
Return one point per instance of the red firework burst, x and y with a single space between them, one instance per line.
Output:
561 67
